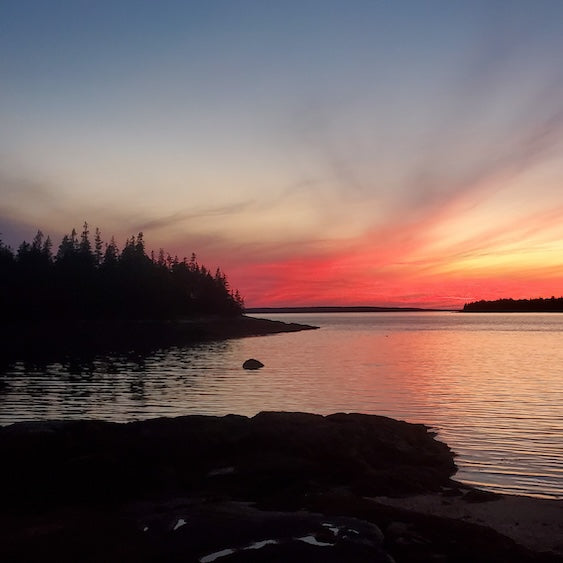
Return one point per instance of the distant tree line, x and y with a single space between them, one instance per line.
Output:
539 305
87 278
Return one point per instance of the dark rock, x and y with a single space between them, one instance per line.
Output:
252 364
272 455
451 492
396 529
188 487
478 495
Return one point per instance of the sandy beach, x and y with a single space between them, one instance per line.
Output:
534 523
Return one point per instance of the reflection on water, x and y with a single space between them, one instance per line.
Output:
491 384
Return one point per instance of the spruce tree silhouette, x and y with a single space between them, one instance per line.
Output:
100 282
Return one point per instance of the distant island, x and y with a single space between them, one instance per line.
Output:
330 309
540 305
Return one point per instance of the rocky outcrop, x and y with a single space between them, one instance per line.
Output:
275 487
273 454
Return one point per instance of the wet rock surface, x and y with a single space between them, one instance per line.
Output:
275 487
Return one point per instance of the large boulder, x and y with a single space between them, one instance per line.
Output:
272 454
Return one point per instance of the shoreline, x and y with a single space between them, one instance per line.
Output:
532 522
297 486
48 340
345 309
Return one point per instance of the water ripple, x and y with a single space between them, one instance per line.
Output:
491 385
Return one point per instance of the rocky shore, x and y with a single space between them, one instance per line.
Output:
275 487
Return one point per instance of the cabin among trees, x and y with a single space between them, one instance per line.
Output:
87 278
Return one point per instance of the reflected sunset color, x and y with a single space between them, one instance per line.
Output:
489 384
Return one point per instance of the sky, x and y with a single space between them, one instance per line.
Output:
320 152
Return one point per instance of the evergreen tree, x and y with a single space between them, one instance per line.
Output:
74 240
238 300
24 250
37 244
98 246
140 246
193 263
66 249
81 283
161 258
86 258
6 254
111 255
46 251
85 247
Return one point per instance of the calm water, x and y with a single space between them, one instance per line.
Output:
492 385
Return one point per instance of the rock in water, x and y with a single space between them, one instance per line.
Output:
252 364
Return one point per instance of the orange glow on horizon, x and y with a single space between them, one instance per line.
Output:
438 261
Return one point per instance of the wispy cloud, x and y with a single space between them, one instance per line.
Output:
181 217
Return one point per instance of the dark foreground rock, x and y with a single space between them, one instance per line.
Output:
270 457
275 487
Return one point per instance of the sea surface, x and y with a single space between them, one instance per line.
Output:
491 385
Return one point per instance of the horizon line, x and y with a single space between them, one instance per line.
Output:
349 308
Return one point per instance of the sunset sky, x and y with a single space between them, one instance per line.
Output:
321 152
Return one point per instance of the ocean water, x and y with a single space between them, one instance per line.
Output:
491 385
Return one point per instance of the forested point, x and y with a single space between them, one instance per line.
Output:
539 305
87 279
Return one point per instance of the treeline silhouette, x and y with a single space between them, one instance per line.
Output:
539 305
87 278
